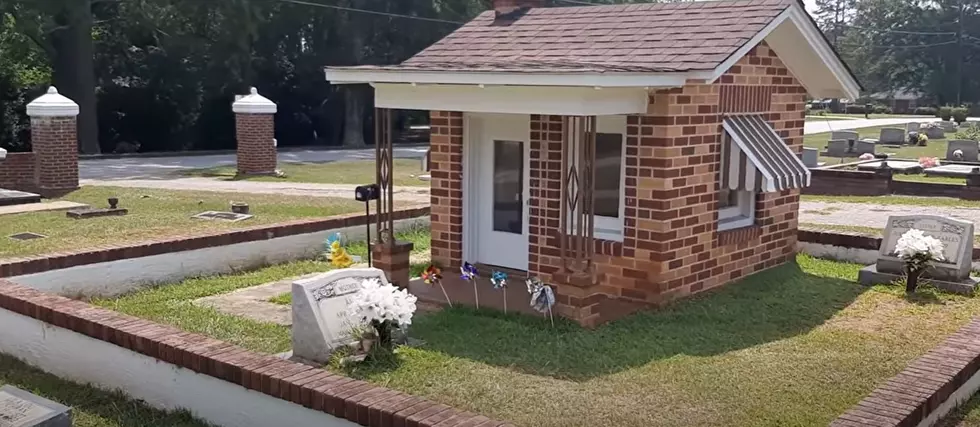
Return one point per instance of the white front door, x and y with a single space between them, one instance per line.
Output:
502 150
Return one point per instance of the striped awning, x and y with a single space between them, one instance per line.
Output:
758 159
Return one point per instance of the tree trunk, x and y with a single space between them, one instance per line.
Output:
353 116
74 69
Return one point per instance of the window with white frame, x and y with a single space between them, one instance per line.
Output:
610 149
736 208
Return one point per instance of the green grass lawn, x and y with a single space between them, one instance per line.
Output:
91 407
793 346
929 179
823 118
967 415
935 148
406 172
153 214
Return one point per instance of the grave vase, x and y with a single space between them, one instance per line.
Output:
912 280
383 330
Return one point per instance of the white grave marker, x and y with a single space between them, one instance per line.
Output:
320 321
19 408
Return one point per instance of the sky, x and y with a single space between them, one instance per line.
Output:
810 5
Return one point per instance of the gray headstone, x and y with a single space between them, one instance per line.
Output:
864 147
847 135
913 127
954 171
320 321
935 132
948 126
956 235
892 136
838 148
969 148
19 408
810 157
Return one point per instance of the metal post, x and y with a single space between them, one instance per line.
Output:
367 224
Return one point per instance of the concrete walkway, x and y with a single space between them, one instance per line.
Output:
873 215
169 167
346 191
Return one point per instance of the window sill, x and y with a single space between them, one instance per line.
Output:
737 235
735 223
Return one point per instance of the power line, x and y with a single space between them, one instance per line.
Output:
373 12
921 33
911 46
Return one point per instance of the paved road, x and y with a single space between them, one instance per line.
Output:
168 167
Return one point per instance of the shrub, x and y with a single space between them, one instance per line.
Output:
972 132
945 113
882 109
855 109
960 114
819 112
925 111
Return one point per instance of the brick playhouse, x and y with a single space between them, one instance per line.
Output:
627 155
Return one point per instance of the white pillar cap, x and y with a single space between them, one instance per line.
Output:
52 104
254 103
3 154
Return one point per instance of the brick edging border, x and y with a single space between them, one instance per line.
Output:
355 400
915 393
46 262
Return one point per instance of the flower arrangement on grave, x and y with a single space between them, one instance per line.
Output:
923 140
339 258
433 276
499 281
866 156
384 307
468 273
542 297
928 162
917 250
932 125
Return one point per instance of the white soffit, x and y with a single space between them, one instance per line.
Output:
609 79
513 99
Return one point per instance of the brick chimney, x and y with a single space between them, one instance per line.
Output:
507 7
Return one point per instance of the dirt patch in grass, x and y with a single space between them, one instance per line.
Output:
91 407
153 214
405 173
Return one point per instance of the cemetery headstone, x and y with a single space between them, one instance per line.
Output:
897 166
19 408
952 273
968 147
838 148
863 147
913 127
935 132
810 157
847 135
953 171
894 136
320 321
948 126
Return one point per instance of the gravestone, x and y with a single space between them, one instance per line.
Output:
320 321
863 147
913 127
838 148
897 166
13 197
935 132
948 126
968 147
953 171
19 408
895 136
951 274
810 158
847 135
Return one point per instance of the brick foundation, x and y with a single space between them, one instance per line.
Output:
56 151
446 162
393 259
256 150
18 172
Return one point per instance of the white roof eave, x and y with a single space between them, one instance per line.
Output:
616 79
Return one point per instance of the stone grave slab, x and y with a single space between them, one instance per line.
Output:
95 212
59 205
19 408
951 274
894 136
222 216
13 197
969 148
27 236
810 157
838 148
320 321
898 166
955 171
863 147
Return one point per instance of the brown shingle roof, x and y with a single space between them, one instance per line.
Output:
658 37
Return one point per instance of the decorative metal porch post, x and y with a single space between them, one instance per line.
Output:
389 255
578 196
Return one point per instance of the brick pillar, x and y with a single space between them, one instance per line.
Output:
446 163
54 137
393 259
255 128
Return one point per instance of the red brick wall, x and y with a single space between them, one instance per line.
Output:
256 150
17 172
447 187
671 246
56 149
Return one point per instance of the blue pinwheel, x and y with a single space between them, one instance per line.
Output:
542 297
499 281
468 273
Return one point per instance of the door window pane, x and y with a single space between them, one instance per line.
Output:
508 186
608 174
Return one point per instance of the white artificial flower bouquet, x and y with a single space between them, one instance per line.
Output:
384 307
917 250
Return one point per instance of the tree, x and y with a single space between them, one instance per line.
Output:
832 15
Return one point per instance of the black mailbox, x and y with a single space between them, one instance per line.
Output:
367 193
